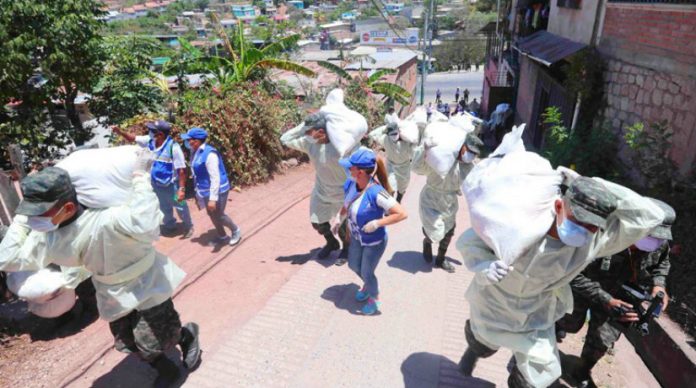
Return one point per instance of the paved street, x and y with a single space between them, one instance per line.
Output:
448 82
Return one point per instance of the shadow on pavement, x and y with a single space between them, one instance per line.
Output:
132 372
423 370
410 261
205 239
343 297
300 258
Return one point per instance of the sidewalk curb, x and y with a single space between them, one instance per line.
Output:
73 377
666 350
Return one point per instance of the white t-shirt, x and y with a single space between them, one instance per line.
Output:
177 154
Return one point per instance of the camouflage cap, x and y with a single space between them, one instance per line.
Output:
590 202
664 230
44 190
315 121
473 144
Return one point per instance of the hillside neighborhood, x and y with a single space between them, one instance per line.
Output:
500 193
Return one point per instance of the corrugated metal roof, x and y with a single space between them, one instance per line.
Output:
384 60
548 48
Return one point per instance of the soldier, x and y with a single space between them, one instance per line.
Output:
646 263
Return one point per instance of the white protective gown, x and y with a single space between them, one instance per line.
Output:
327 196
519 312
399 155
438 199
114 244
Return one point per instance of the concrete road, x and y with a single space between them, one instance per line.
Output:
448 82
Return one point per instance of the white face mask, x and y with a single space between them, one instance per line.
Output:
42 224
468 157
394 136
311 140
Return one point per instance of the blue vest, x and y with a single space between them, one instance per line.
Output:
162 171
200 172
368 210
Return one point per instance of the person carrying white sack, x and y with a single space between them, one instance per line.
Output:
399 153
515 301
438 199
134 283
327 195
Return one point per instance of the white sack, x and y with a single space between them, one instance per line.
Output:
344 127
465 123
101 176
59 304
38 286
419 116
408 131
437 117
446 141
511 198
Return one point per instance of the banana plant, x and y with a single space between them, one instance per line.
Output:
372 83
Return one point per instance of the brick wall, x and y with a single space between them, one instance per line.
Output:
651 71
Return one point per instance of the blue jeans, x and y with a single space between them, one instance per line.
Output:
165 195
363 261
219 219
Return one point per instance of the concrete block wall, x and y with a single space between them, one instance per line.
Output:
651 71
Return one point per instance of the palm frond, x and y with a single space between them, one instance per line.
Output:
335 69
272 63
379 74
390 90
222 34
281 45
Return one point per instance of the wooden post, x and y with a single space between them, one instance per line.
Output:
9 199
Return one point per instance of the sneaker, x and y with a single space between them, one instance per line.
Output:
236 236
361 296
190 348
167 231
371 307
188 233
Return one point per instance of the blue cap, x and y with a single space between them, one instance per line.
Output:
362 158
159 125
195 133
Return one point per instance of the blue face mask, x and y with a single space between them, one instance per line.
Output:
572 234
649 244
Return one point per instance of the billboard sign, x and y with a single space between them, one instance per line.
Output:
387 37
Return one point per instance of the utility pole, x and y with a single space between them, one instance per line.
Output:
425 65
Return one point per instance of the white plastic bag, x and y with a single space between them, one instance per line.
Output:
408 131
60 303
437 117
102 176
419 116
511 198
38 286
344 127
443 142
463 122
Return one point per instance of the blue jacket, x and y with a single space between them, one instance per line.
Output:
368 210
200 172
162 171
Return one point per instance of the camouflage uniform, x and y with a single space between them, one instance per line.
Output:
148 333
594 287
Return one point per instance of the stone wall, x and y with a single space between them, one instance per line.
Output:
651 71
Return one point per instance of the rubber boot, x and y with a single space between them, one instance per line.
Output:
427 250
331 245
399 196
441 261
168 372
190 347
342 256
468 362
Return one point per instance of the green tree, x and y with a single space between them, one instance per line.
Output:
373 83
125 88
50 51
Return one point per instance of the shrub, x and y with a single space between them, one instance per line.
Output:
244 126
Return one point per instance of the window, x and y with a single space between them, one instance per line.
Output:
574 4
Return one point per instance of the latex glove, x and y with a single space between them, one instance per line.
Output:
144 160
497 270
371 226
336 223
568 175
